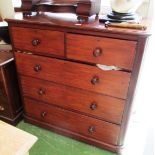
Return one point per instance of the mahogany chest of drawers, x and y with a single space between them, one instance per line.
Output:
10 101
64 82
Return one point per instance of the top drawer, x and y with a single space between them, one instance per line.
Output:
40 41
99 50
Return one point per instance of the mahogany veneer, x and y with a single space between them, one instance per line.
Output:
43 41
87 126
63 89
101 50
113 83
93 104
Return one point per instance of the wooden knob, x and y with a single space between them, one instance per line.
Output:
37 68
41 91
43 114
1 108
97 52
93 106
91 129
35 42
95 80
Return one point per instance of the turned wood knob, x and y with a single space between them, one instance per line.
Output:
37 68
91 129
43 114
41 91
1 108
95 80
93 106
97 52
35 42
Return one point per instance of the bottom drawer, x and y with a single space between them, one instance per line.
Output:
81 124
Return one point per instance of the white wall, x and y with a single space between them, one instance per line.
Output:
140 137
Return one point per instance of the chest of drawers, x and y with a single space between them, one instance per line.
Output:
64 85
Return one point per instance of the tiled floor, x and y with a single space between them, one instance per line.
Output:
50 143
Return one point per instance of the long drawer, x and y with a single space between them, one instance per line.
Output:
100 50
113 83
91 104
37 40
100 130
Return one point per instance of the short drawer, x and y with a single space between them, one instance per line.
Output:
100 50
91 104
87 126
40 41
91 78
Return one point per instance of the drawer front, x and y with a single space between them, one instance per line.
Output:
40 41
113 83
113 52
92 104
100 130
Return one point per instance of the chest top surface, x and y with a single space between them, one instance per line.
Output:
68 21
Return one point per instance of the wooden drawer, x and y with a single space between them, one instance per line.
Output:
114 83
100 130
40 41
113 52
92 104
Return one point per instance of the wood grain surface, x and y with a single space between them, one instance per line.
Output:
91 78
113 52
91 104
102 131
41 41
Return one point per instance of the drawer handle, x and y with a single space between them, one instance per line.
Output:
41 91
91 129
97 52
43 114
93 106
35 42
37 68
1 108
95 80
